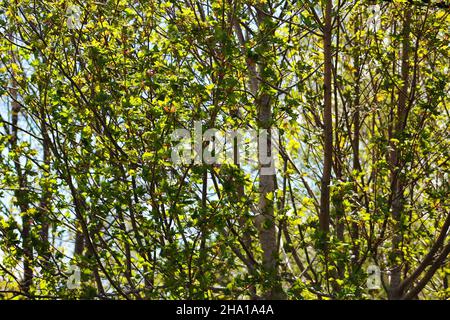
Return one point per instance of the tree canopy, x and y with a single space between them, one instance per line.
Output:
93 205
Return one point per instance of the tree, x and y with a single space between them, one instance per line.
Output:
352 172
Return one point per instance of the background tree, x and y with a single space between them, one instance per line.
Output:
358 91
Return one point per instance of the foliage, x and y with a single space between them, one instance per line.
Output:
86 177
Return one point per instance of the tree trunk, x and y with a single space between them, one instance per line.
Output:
324 213
397 187
265 221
